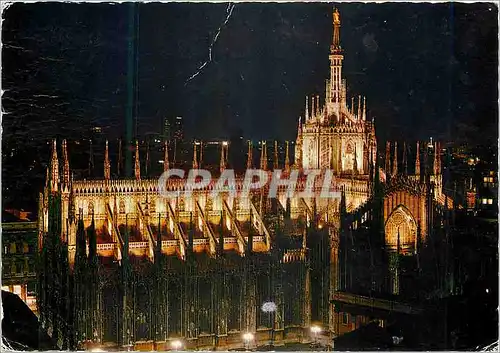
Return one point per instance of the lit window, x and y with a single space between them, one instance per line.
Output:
25 248
353 318
484 201
345 318
17 290
485 179
31 288
490 201
12 248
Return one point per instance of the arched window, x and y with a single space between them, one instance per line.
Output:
400 230
122 207
91 208
348 157
349 148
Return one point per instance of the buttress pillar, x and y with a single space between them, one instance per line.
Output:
191 298
249 300
334 277
220 297
394 272
161 305
306 303
277 287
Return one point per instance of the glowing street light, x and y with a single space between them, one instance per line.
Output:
248 337
315 330
270 308
176 345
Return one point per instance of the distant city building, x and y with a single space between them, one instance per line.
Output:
479 177
96 129
167 129
179 128
19 242
487 193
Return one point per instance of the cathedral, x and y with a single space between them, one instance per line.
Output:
123 267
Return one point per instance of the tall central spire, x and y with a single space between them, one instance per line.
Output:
334 91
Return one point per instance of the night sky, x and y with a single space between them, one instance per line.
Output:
426 69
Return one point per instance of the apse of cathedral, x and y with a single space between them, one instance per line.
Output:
123 266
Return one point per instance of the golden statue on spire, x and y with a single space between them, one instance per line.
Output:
336 30
336 16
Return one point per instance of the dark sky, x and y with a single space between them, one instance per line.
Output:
426 69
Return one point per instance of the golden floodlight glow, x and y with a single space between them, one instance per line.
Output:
176 344
315 329
248 336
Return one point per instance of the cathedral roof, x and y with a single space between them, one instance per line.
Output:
404 183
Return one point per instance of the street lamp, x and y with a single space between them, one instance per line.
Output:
176 345
248 337
270 307
315 330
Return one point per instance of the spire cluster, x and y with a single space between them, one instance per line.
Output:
392 167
